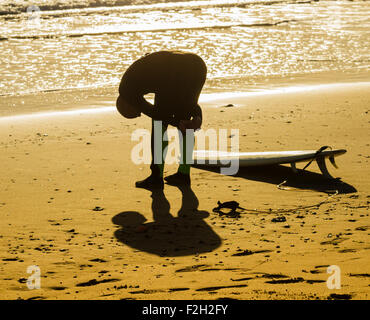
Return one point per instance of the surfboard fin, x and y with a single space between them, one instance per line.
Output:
293 166
332 160
322 165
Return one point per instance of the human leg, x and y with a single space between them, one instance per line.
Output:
158 146
182 176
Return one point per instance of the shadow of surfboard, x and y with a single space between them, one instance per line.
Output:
302 179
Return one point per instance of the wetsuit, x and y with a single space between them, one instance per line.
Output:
176 78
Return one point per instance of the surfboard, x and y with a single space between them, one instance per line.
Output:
211 158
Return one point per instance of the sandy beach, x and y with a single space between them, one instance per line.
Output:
69 206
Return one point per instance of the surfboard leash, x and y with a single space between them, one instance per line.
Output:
281 186
295 209
316 155
233 205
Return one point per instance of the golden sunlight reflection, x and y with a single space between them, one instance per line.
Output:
242 44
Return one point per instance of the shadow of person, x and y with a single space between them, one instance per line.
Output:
277 174
169 236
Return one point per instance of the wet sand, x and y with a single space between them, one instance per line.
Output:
68 205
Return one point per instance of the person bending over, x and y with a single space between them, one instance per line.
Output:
176 78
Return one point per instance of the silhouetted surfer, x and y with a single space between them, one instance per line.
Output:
176 78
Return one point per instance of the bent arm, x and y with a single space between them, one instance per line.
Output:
137 101
197 112
197 117
145 107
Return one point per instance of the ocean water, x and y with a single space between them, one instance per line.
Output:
246 44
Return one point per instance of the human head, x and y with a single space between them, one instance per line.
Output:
126 109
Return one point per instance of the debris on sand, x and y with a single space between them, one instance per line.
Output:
278 219
97 208
232 205
94 282
249 252
98 260
282 281
244 253
336 296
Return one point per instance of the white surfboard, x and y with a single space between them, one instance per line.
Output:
211 158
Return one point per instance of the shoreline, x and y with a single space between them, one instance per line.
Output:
215 99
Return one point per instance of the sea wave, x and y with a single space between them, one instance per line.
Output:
137 28
57 7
